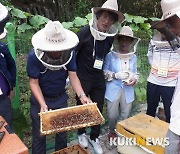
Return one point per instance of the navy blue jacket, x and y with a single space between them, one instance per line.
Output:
50 82
7 65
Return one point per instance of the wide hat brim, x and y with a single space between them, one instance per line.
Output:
39 41
133 37
121 16
161 22
3 35
135 41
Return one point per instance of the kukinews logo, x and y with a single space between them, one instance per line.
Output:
121 141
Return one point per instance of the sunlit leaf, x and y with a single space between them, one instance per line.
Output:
134 27
154 18
89 16
145 26
128 17
23 27
27 14
18 13
75 30
67 25
78 21
139 19
38 20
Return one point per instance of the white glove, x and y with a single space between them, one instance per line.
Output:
132 76
136 76
121 75
108 75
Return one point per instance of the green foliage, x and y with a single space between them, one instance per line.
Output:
6 2
138 23
89 16
143 69
79 8
154 18
140 89
23 27
19 121
25 21
144 8
37 21
18 13
68 25
79 22
140 94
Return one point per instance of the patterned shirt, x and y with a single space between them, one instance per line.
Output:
165 64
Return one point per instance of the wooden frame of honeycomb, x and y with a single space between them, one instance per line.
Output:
70 118
74 149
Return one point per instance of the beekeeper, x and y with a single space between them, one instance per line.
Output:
49 64
95 42
169 26
120 69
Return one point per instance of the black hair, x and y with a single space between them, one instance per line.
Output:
113 15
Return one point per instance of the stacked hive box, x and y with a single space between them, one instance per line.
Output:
146 131
11 144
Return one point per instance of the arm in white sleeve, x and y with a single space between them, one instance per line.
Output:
150 53
135 74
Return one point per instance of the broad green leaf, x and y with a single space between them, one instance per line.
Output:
38 20
89 16
23 27
139 19
67 25
134 27
154 18
28 14
18 13
79 22
145 26
149 33
75 30
129 18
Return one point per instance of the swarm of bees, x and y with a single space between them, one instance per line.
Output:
70 118
74 119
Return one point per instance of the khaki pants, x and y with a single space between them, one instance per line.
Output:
113 109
